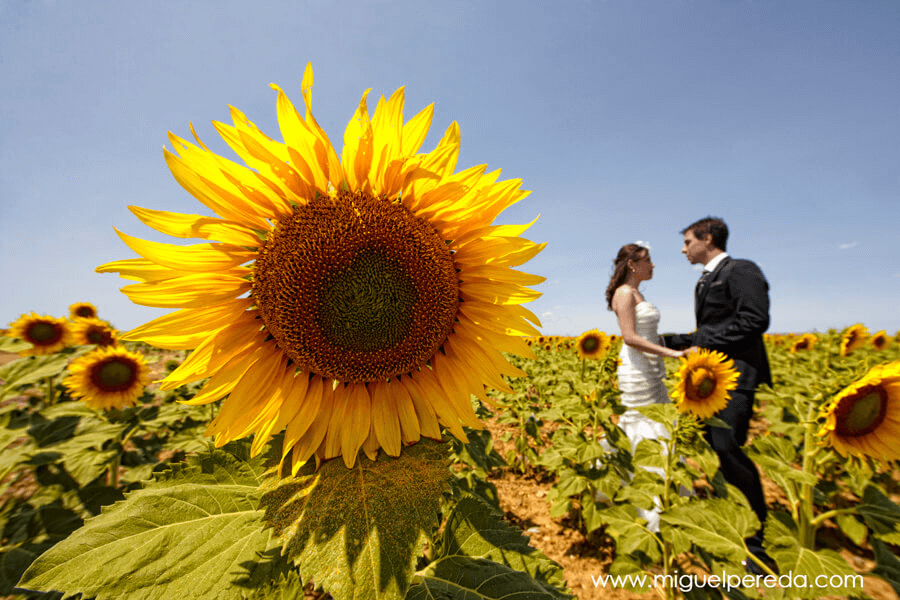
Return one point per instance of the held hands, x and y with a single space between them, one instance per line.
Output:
683 353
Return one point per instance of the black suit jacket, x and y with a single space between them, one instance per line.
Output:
732 310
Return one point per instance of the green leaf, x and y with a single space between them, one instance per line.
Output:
853 528
626 572
650 453
358 532
642 491
881 515
718 526
471 530
28 371
195 533
661 413
774 456
888 565
622 524
814 572
13 345
288 586
465 578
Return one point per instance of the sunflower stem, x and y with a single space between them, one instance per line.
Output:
817 521
51 392
582 370
807 525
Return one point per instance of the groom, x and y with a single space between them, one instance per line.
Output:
731 303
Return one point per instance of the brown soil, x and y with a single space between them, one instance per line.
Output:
7 357
524 499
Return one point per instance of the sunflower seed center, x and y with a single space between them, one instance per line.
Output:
863 412
702 382
43 333
115 374
356 288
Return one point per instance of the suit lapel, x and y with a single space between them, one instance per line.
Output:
701 294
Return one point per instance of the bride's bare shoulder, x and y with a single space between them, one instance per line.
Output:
624 297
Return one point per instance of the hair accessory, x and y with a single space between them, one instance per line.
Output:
643 244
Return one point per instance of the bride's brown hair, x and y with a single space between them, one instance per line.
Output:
620 269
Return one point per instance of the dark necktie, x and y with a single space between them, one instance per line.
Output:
702 283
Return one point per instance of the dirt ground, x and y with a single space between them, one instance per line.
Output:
525 501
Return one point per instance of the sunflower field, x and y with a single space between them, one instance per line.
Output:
309 420
129 499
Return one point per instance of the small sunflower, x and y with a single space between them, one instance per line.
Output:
83 310
804 342
592 344
853 338
355 300
94 331
108 377
880 340
46 334
864 418
704 382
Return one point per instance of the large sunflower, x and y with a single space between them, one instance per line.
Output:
83 310
704 382
94 331
853 338
864 418
592 344
46 334
355 300
110 377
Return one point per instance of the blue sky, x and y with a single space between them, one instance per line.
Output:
627 120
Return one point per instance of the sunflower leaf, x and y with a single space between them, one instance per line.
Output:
29 370
719 526
472 530
622 524
466 578
358 532
813 572
888 565
194 533
881 515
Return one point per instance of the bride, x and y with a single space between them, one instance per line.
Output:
641 369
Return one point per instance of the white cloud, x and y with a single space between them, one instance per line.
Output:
847 246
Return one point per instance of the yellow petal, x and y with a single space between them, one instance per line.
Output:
385 419
358 422
196 226
188 291
336 424
188 323
428 422
307 413
201 258
140 269
357 154
215 351
293 392
224 380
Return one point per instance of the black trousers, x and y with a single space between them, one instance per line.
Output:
736 467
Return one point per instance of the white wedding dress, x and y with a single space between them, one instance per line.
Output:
641 383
